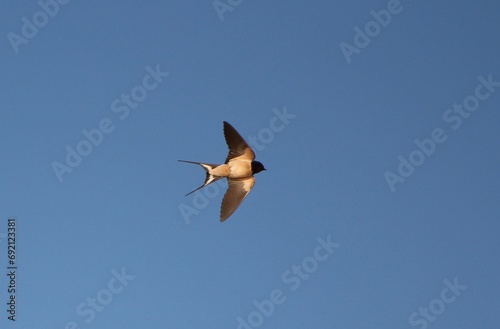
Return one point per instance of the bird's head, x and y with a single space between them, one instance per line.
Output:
257 167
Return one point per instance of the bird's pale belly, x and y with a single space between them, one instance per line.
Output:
240 169
221 171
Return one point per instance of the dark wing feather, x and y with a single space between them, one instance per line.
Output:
238 148
236 193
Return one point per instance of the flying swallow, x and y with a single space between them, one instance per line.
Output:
238 169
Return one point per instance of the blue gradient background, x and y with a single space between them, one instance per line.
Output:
120 207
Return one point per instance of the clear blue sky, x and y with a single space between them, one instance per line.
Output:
342 231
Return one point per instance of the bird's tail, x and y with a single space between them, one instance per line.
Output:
209 177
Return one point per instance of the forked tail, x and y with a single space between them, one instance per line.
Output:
209 177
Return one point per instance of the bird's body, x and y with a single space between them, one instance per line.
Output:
239 169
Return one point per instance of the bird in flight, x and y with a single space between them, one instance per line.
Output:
238 169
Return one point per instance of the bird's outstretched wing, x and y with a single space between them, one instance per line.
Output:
238 148
236 193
